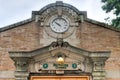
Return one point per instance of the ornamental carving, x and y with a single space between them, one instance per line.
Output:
21 63
59 43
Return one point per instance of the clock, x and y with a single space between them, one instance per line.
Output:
59 25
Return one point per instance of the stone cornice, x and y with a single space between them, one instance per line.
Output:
30 54
16 25
102 24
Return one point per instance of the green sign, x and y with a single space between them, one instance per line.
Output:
45 65
60 65
74 65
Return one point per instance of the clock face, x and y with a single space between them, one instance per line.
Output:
59 25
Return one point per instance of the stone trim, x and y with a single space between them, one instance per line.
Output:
7 74
97 54
102 24
112 74
59 3
16 25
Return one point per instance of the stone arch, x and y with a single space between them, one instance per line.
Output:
59 3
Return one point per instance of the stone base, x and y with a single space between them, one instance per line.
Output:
21 75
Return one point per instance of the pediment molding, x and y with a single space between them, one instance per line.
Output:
59 46
33 61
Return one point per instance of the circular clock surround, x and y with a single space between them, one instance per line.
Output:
69 25
59 25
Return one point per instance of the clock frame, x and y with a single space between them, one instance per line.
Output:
70 27
59 25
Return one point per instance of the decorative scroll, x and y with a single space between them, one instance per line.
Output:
59 43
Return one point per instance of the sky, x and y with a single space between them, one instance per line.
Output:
13 11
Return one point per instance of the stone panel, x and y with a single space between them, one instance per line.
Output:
7 74
112 73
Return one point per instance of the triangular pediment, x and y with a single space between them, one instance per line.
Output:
46 59
58 47
53 47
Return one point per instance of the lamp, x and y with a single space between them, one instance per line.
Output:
60 62
60 59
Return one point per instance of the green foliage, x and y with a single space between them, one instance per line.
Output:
114 6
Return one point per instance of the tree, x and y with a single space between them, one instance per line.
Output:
113 6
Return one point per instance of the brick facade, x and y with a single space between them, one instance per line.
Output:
88 36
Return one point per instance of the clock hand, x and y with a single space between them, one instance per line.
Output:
58 24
